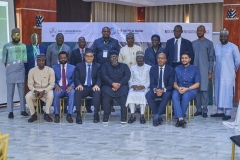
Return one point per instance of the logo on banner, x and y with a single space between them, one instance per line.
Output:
53 31
231 14
38 21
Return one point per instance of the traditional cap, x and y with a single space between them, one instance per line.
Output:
41 56
130 34
15 30
156 36
224 31
140 53
112 52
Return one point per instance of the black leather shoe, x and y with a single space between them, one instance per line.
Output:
69 119
79 120
204 115
142 120
32 118
10 115
57 119
47 118
131 119
198 113
24 113
184 123
96 118
123 120
105 119
160 120
225 118
155 122
218 115
112 109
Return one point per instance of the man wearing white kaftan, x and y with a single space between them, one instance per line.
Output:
227 62
139 86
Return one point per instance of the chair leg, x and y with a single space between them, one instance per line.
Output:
84 103
167 113
233 151
193 107
37 107
148 112
189 104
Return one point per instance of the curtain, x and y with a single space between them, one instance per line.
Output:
207 13
73 11
110 12
193 13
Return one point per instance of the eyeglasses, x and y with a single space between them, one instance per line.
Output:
89 56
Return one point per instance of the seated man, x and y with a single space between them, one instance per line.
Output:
40 83
139 85
115 77
88 82
161 86
64 85
187 80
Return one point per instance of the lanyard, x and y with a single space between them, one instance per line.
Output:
60 49
35 51
105 42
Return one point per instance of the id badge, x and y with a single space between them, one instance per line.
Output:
105 52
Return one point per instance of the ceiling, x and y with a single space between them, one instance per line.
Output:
145 3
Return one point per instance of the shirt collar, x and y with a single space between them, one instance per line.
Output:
162 67
88 64
109 39
179 39
65 66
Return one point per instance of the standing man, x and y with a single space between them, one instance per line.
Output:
64 85
14 55
161 86
101 48
88 83
40 83
115 77
139 86
186 83
176 46
54 49
204 60
33 50
77 56
128 53
103 45
227 63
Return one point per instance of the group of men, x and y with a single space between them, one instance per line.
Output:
179 72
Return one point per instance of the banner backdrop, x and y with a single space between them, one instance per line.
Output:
142 31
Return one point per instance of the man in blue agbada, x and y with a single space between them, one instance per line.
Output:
227 62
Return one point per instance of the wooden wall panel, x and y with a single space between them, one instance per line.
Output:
38 4
234 32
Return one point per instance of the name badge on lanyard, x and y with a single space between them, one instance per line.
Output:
105 52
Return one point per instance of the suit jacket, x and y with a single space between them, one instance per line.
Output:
76 57
169 50
80 74
30 57
69 74
168 77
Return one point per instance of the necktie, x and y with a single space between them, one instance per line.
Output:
89 76
82 52
176 51
63 78
160 79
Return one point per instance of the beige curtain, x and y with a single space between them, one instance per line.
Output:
165 13
195 13
207 13
110 12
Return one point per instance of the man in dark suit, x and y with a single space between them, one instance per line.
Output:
77 56
87 81
161 86
176 46
64 85
33 50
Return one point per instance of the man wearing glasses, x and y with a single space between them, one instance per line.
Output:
14 55
87 81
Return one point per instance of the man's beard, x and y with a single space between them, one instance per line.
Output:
16 41
114 63
200 36
63 62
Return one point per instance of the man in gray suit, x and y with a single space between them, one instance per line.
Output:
54 49
14 55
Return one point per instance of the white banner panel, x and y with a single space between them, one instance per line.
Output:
143 31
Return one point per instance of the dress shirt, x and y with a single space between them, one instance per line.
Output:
179 47
87 73
60 81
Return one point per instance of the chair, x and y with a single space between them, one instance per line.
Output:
3 146
62 104
235 141
38 107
